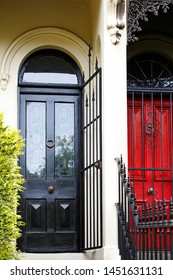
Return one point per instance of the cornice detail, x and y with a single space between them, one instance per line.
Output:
138 10
115 19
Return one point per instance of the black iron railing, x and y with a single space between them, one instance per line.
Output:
91 172
145 230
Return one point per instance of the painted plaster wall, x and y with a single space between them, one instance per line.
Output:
20 16
115 130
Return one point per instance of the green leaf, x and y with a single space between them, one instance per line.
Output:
11 145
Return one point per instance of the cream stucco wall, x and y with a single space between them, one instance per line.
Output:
19 16
115 131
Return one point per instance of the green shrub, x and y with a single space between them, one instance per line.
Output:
11 144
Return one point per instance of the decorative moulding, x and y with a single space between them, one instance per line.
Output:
32 40
4 78
115 19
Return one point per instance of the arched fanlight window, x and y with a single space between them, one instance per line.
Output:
50 67
150 70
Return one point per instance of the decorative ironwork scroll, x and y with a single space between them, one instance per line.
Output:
138 10
152 128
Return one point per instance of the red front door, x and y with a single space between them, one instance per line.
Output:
150 149
150 145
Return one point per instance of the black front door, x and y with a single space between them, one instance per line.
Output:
50 165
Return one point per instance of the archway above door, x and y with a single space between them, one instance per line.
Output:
149 70
39 38
160 44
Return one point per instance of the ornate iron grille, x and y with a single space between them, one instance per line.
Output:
150 126
145 205
138 10
150 143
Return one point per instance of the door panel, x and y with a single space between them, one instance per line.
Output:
35 215
49 203
150 145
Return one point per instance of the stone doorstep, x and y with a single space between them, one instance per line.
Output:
56 256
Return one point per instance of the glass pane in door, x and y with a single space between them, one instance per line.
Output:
64 140
35 135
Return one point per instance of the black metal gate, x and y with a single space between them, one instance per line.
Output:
150 127
150 143
91 173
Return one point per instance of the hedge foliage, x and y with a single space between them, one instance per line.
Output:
11 144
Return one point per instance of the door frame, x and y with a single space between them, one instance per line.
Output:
61 92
